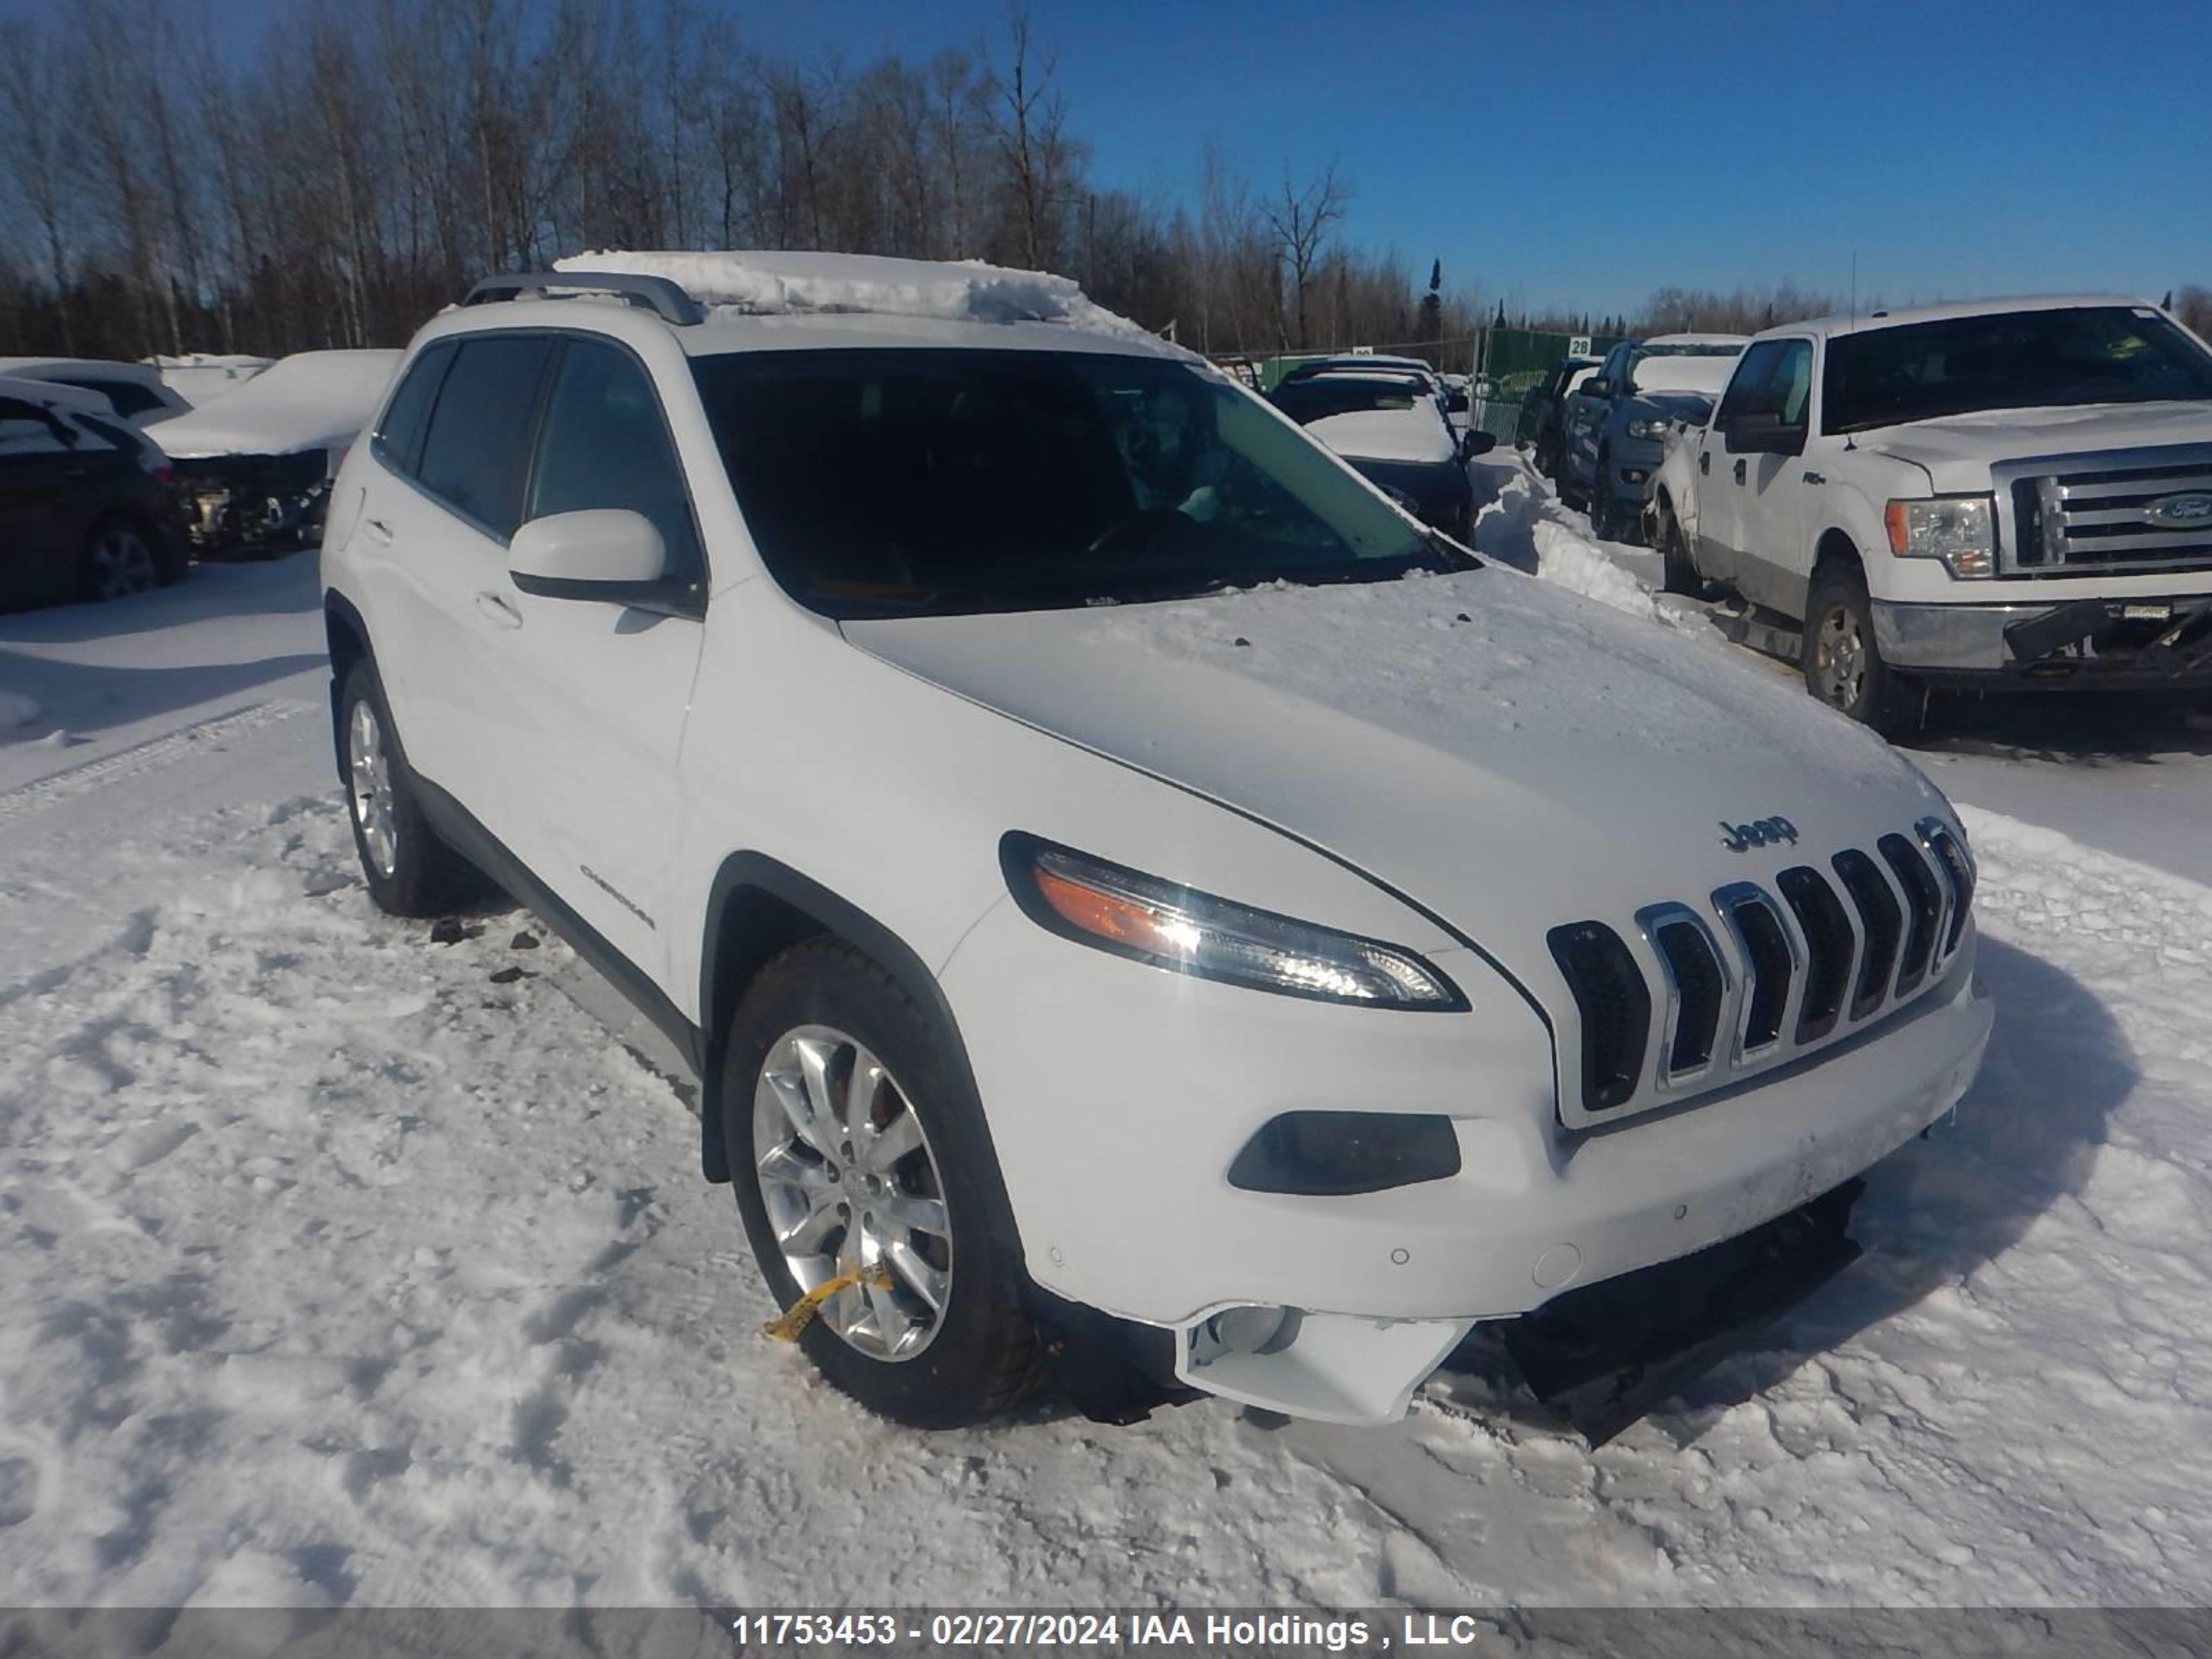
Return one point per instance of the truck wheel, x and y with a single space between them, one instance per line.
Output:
856 1146
1679 573
1602 513
1843 665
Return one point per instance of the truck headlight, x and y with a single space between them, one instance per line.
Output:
1150 921
1959 530
1652 431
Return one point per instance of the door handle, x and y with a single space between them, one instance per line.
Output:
1705 462
1739 470
377 531
496 608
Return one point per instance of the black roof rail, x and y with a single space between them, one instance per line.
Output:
665 299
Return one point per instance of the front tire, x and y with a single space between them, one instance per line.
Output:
1842 663
410 871
1679 573
1604 515
856 1142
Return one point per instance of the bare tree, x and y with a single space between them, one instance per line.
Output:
1300 222
29 92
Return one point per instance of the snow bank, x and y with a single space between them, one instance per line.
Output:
315 400
770 284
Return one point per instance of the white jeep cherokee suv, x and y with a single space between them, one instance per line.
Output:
1109 866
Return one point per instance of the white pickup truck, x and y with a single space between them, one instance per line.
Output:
2002 495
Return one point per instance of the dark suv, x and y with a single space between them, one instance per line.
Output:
84 510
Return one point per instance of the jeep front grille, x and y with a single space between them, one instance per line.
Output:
1785 972
2073 514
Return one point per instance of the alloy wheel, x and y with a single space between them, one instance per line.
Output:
369 777
848 1183
1840 658
122 563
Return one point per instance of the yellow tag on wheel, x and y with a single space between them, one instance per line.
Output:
787 1326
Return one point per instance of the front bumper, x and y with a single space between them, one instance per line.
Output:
2149 641
1629 466
1118 1096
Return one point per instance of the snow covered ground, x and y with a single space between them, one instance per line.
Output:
338 1265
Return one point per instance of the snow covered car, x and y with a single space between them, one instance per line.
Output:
1392 431
135 391
1617 420
1167 909
254 466
84 513
200 377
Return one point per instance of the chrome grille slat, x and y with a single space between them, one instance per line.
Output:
1673 1006
2066 514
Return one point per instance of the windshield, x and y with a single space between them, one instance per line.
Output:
2013 359
1683 368
1316 399
920 482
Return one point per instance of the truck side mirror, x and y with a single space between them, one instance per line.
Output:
1763 434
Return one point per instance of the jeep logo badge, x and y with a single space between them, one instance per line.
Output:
2186 511
1759 832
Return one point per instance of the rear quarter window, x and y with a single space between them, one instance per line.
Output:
399 442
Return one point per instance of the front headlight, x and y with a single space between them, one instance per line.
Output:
1651 430
1117 909
1959 530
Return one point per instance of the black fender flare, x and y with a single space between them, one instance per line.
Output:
723 972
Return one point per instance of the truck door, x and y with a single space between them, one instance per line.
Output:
1772 489
1722 473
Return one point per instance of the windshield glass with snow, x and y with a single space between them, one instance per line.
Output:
930 482
2012 360
1684 368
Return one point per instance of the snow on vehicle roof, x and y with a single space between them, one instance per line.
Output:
39 368
1417 433
313 400
1898 317
762 284
1682 372
54 394
1681 341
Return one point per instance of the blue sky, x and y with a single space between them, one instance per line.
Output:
1583 152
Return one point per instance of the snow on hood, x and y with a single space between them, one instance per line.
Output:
1387 434
1683 373
315 400
1957 450
775 284
1502 751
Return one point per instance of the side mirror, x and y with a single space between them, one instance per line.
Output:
1763 434
1477 442
608 554
1596 387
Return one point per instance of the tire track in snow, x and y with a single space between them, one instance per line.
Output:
141 758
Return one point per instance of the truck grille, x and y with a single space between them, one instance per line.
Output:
1823 954
2081 514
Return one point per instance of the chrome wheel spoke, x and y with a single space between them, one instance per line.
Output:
822 1102
791 1097
879 1152
811 1232
861 1087
924 1279
921 1215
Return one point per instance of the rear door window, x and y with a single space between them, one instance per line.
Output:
605 444
478 438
